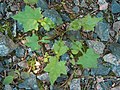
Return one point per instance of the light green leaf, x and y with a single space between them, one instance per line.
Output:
75 25
47 23
45 39
89 22
29 18
32 42
8 80
60 48
89 59
55 68
31 1
76 47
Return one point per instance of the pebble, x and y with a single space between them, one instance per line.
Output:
14 8
76 9
111 59
43 77
76 2
23 64
97 46
7 87
116 26
2 8
116 88
42 4
115 7
6 45
20 52
116 70
102 29
100 70
29 83
75 84
53 15
115 49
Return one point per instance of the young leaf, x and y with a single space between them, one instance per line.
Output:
47 23
31 1
32 42
89 59
75 25
29 18
60 48
89 22
76 47
8 80
55 68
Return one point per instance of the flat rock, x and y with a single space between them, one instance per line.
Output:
6 45
102 29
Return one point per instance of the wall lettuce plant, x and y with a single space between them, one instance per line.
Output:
33 18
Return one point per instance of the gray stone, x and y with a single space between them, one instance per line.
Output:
118 39
97 46
115 49
116 70
7 87
115 7
20 52
116 88
83 4
54 16
42 4
43 77
102 29
75 84
65 17
6 45
116 26
14 8
2 8
23 64
65 57
29 83
76 2
100 70
111 59
74 35
1 67
76 9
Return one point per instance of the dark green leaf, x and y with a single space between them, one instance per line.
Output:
8 80
89 59
55 68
